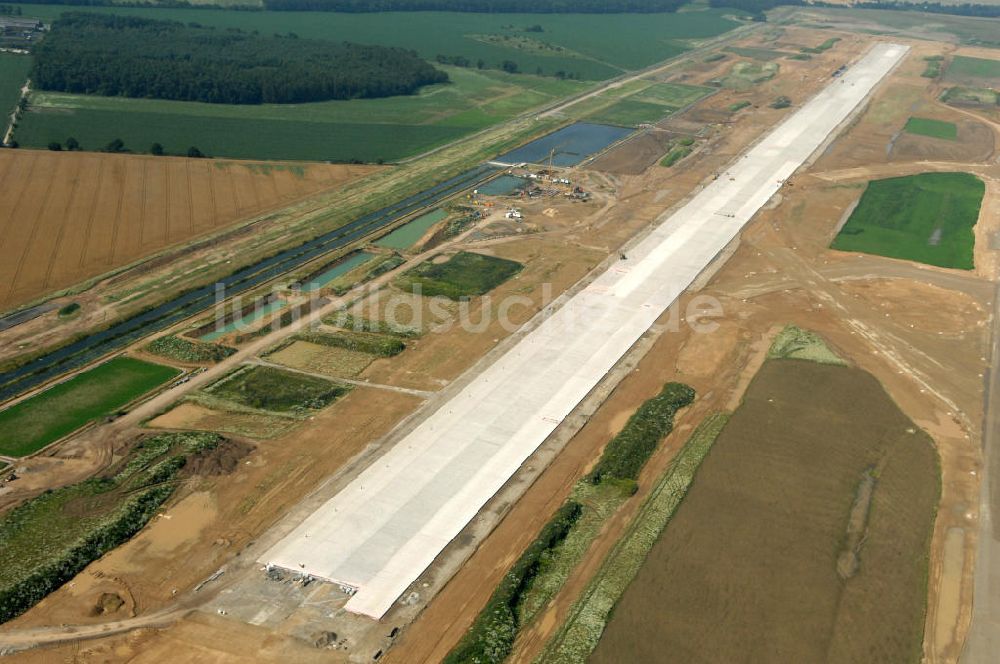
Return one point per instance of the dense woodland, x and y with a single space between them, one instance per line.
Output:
134 57
482 6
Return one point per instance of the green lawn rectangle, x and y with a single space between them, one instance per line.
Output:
972 71
630 112
932 128
32 424
927 218
464 274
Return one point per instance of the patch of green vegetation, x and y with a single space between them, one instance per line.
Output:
462 275
630 113
795 343
964 69
964 96
738 106
626 453
674 95
13 75
491 636
267 388
781 102
745 75
346 321
69 310
30 425
184 350
933 67
932 128
675 155
715 57
756 53
800 56
50 538
926 218
359 342
825 46
581 631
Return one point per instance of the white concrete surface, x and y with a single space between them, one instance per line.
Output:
388 525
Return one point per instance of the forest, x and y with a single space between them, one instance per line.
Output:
126 56
481 6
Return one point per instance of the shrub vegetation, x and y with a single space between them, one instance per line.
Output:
628 451
360 342
185 350
49 539
267 388
491 637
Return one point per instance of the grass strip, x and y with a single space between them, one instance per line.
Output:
581 631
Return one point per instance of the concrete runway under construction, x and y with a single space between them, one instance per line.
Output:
386 527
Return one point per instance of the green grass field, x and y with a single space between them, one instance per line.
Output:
363 129
593 47
932 128
648 105
37 421
267 388
13 74
972 71
926 218
602 45
464 274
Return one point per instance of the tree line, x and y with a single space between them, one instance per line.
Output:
128 56
481 6
758 7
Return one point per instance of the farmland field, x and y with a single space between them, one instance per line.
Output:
973 71
358 129
13 74
32 424
804 537
932 128
927 218
461 275
593 48
69 216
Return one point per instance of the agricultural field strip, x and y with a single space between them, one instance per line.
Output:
388 525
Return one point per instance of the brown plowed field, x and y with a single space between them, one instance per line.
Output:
69 216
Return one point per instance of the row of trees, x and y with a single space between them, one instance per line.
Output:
481 6
118 146
136 57
758 7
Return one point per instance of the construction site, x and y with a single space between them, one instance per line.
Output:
383 416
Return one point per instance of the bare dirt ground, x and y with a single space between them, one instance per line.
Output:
71 216
782 272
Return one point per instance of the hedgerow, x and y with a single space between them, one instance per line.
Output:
361 342
491 637
628 451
